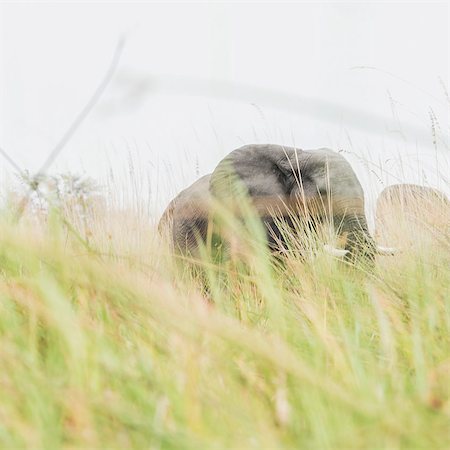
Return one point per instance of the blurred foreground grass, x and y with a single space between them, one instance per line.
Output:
106 344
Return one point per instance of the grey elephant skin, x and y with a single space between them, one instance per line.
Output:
281 182
410 196
411 214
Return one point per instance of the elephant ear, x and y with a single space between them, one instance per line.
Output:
225 182
259 171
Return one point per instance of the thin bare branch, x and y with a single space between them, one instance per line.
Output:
10 160
87 109
73 127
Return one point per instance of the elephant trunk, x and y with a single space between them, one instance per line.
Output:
359 243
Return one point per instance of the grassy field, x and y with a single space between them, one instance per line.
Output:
106 342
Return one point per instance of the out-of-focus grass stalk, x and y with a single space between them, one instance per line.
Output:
122 344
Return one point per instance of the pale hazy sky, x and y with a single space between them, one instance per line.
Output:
198 80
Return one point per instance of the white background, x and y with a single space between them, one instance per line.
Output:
198 80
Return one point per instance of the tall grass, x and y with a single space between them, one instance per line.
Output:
110 342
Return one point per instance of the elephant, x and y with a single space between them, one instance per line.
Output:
405 212
282 183
408 197
187 216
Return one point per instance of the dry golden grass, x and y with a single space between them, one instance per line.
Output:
110 342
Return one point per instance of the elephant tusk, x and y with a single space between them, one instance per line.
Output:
386 250
337 252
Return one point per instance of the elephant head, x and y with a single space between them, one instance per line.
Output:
317 185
